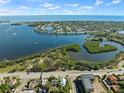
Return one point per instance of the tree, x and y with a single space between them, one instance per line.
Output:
4 88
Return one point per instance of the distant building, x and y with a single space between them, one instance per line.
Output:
62 81
87 82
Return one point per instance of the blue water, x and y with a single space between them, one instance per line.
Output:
61 18
84 55
19 41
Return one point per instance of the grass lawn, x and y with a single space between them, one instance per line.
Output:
10 68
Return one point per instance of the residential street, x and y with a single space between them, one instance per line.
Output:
71 74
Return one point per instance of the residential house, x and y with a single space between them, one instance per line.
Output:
87 82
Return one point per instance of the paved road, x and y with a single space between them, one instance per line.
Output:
71 74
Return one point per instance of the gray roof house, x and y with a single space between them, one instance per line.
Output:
87 82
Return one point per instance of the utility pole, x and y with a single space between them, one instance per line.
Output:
41 78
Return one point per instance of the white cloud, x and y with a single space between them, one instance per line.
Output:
47 5
50 6
16 11
4 11
114 2
4 1
80 10
72 5
53 8
86 7
71 12
24 7
9 11
98 2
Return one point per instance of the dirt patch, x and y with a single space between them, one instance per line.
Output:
98 88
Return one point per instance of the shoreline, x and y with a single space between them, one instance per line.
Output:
19 61
57 57
59 33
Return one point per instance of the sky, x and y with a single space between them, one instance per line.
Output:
61 7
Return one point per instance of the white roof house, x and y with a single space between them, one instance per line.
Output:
62 81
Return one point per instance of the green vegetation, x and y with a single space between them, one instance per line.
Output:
39 68
123 66
4 88
121 91
12 68
7 86
35 24
20 64
94 47
117 40
121 83
56 87
73 47
56 59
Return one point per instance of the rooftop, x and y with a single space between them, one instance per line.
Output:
90 76
87 83
63 81
112 77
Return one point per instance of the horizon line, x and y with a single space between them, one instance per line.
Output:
60 15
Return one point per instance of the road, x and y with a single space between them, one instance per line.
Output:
71 74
